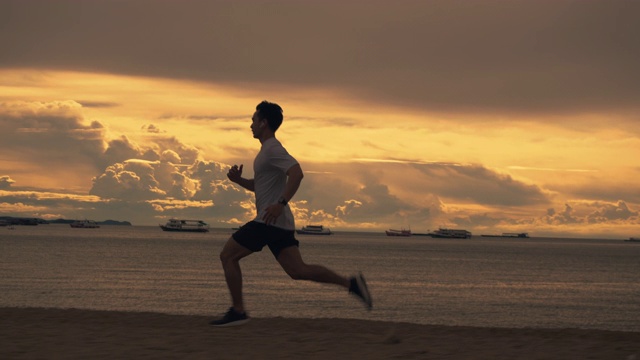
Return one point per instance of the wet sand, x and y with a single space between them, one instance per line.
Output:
34 333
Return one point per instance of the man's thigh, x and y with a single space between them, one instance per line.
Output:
290 259
233 250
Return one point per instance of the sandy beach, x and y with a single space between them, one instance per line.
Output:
34 333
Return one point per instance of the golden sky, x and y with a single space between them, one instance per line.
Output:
493 116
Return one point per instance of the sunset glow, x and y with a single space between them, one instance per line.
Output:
134 132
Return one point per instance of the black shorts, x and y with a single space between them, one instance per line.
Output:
254 236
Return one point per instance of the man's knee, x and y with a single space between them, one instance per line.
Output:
297 273
224 256
232 252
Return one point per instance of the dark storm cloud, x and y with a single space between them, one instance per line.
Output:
480 185
420 194
49 133
374 201
599 190
481 56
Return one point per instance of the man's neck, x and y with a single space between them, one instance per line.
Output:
267 137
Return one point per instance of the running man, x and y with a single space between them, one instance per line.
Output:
276 180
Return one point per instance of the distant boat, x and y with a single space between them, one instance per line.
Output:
314 230
403 232
509 235
84 224
185 225
450 234
633 239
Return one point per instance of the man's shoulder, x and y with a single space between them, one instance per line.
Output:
271 142
273 145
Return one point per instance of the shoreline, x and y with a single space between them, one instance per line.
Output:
27 333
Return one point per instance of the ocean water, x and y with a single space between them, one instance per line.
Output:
490 282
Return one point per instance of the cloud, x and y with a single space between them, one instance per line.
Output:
455 56
21 209
55 138
348 207
133 180
151 128
592 212
564 217
478 184
549 169
28 127
50 142
181 205
366 199
169 185
164 176
47 204
461 182
157 175
97 104
6 182
601 188
122 149
611 212
138 179
478 221
188 154
410 193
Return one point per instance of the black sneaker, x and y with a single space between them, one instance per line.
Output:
359 288
231 318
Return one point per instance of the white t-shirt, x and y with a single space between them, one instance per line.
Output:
270 167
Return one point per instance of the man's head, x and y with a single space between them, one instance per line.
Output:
270 112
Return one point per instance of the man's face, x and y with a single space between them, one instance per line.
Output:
257 125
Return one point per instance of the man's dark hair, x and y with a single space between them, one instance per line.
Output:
272 112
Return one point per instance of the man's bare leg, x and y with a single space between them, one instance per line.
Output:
291 261
230 257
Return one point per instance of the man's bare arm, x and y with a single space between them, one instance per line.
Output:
294 178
